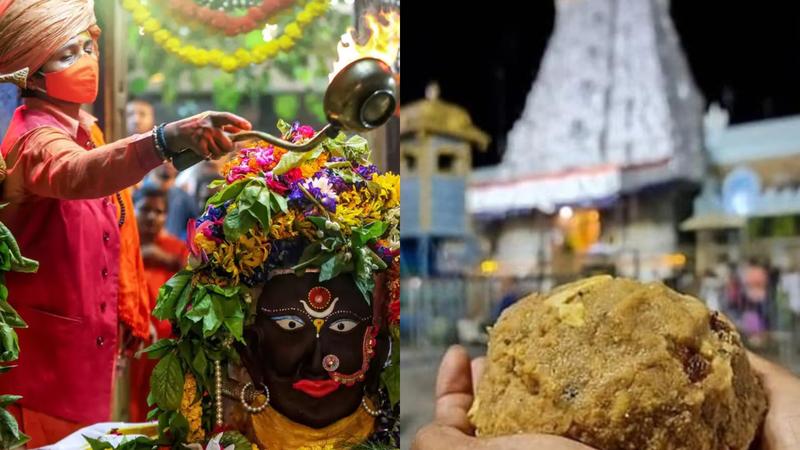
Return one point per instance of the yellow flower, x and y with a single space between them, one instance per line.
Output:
310 168
252 252
208 245
390 188
192 410
328 446
282 227
225 258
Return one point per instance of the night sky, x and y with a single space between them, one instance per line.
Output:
743 56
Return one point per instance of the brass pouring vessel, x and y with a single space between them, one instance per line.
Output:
361 97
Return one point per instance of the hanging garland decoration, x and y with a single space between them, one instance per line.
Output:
227 61
227 4
222 21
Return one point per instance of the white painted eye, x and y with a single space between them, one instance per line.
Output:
289 323
343 325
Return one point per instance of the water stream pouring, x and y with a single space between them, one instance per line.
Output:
361 97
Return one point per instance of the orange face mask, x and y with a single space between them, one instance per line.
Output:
77 83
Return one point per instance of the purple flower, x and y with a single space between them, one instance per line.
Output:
366 172
329 203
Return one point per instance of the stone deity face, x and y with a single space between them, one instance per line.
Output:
310 346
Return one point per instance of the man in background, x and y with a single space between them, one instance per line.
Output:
140 116
163 256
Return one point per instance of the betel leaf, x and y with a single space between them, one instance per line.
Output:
335 266
237 223
170 292
227 292
216 184
213 319
200 364
179 427
234 318
200 308
230 192
278 202
159 349
166 383
363 235
291 160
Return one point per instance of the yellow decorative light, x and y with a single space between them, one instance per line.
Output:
230 62
489 266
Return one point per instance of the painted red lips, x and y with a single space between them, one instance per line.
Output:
316 388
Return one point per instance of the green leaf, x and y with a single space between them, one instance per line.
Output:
152 413
10 316
216 184
200 309
363 235
184 298
179 427
312 256
291 160
283 126
335 266
4 369
150 400
365 286
199 363
159 349
391 380
97 444
212 320
169 293
9 423
236 439
318 222
166 383
234 317
279 202
9 345
357 149
6 400
227 292
236 224
230 192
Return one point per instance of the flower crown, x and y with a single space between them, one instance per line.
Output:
326 210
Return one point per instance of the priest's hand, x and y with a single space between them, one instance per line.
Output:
451 428
204 133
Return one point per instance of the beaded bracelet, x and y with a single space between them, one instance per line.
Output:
158 132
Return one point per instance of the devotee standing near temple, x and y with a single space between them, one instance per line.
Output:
69 208
163 255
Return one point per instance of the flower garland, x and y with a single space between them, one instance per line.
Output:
221 21
229 62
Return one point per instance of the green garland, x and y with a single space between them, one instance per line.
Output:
11 260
